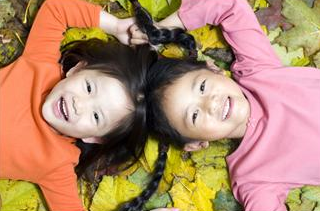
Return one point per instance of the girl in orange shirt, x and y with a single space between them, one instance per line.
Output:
95 95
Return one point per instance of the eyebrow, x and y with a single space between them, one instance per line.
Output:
194 82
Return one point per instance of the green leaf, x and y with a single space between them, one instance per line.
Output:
6 12
140 177
316 59
225 201
73 34
160 9
214 155
306 30
158 201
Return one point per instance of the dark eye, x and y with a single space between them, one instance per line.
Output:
96 116
194 116
88 87
203 86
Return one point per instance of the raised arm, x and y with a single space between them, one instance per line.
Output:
240 28
55 16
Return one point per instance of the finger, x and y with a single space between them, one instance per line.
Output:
137 33
138 41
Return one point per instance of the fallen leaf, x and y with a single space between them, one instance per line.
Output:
271 16
191 196
306 30
112 192
316 59
21 196
209 37
225 201
158 201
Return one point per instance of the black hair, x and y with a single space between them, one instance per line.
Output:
161 75
162 36
137 203
126 141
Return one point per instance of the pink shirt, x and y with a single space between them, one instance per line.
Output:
281 147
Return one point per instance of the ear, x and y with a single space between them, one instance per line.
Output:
195 146
211 66
80 65
92 140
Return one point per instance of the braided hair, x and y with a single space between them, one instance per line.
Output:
162 36
137 203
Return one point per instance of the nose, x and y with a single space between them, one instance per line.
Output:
209 105
78 105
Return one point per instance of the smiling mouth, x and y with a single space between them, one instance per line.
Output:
226 109
62 106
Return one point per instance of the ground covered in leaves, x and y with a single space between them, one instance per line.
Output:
192 181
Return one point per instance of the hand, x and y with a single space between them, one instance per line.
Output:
116 26
165 209
137 36
122 32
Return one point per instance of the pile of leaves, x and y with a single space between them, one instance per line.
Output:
192 181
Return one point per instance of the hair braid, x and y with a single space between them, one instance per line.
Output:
137 203
161 36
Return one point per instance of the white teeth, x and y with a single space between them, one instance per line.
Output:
63 109
226 109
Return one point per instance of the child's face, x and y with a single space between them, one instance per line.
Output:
206 106
86 104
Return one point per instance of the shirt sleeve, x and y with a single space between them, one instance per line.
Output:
240 28
53 18
60 190
257 197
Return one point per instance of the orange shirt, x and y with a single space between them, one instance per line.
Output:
29 149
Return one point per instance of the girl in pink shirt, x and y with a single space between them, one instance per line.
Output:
273 109
94 95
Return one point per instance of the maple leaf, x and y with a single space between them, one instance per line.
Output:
271 16
306 30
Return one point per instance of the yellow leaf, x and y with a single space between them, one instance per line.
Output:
21 196
177 166
130 170
112 192
214 155
209 37
191 196
300 62
150 155
172 51
214 178
258 4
